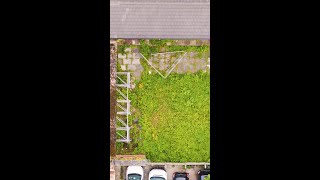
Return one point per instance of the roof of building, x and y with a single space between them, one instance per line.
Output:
160 19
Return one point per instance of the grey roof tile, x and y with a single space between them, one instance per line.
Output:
174 19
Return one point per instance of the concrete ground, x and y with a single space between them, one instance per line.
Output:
190 63
170 170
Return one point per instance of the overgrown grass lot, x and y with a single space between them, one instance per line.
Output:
175 118
170 116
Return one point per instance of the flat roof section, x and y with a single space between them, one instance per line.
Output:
160 19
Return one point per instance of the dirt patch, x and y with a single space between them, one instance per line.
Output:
156 117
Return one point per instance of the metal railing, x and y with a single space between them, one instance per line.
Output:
123 106
145 162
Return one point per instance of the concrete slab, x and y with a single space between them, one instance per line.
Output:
121 56
123 67
136 61
132 67
137 74
140 67
126 61
135 50
127 50
137 55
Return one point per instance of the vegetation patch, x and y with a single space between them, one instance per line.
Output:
175 118
159 46
170 117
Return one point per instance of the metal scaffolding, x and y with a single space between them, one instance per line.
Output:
123 107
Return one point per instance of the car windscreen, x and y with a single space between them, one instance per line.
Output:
157 178
180 178
134 177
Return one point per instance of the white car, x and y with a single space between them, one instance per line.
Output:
134 173
157 174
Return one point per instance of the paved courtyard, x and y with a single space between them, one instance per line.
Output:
131 62
179 62
164 63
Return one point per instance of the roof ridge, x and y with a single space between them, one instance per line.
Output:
185 2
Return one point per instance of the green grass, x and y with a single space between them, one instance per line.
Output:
175 117
173 113
159 46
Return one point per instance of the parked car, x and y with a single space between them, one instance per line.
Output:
180 176
158 174
134 173
203 173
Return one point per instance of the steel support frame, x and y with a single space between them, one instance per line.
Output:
123 104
